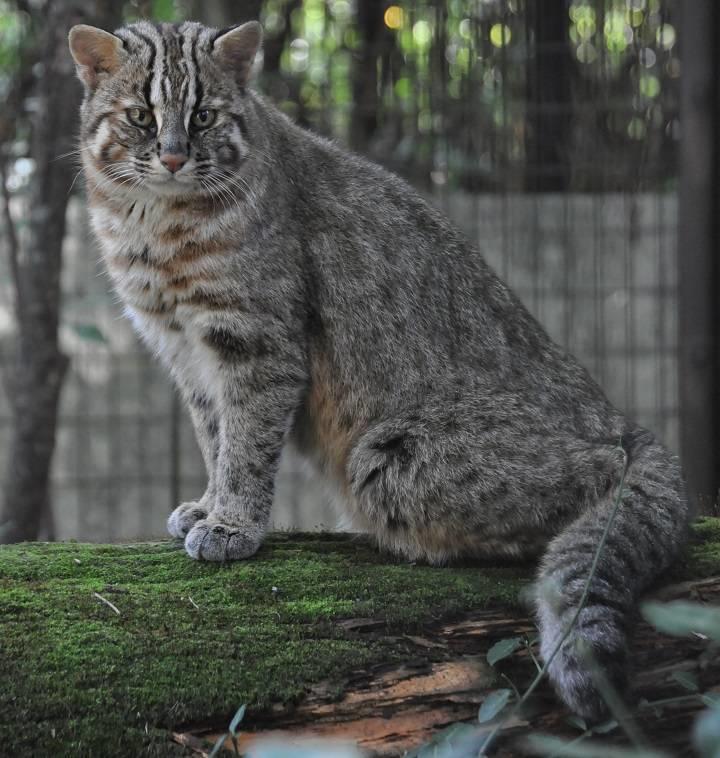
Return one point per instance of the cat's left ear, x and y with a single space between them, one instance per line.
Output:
236 50
96 53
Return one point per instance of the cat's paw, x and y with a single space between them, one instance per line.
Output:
184 518
210 540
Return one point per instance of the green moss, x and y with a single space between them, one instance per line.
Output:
704 551
78 679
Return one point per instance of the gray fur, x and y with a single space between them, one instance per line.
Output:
346 316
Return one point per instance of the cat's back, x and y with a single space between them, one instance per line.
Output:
406 302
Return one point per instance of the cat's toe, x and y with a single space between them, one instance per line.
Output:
184 517
211 541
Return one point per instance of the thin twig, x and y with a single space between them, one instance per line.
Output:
106 601
512 684
583 599
191 742
670 701
528 647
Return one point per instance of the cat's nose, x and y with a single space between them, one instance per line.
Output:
173 162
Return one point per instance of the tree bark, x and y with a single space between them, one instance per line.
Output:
365 99
319 635
393 708
273 47
39 365
222 13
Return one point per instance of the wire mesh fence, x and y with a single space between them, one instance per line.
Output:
548 132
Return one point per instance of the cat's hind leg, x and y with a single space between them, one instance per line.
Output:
435 491
439 486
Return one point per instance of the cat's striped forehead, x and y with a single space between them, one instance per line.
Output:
175 62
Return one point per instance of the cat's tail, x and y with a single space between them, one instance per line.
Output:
648 529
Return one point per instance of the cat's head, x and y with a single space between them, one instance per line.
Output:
165 106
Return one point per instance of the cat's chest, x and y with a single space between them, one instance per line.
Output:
168 268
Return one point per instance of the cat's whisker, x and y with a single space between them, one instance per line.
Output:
75 178
211 190
269 160
240 184
77 151
218 184
227 193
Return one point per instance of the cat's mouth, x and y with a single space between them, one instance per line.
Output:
172 184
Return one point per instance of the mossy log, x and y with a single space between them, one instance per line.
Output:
127 650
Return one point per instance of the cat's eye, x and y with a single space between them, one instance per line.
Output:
202 118
140 117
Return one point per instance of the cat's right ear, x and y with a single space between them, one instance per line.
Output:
97 53
236 49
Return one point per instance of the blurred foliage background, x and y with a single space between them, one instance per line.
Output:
548 131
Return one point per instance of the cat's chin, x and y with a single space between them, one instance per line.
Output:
173 187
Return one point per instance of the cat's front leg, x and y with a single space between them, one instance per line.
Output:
205 421
261 385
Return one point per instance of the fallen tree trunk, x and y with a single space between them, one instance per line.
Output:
129 650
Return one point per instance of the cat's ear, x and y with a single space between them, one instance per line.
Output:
236 50
96 53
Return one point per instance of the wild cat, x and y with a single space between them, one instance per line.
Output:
300 294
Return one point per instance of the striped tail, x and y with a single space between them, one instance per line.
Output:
648 530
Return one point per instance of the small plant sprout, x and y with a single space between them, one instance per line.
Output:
503 649
494 704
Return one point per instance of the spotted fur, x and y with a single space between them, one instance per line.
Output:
300 294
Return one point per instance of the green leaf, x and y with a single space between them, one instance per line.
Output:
457 739
686 679
711 698
237 718
493 704
706 733
89 332
544 745
681 618
503 649
606 728
577 722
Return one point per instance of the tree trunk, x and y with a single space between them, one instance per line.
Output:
222 13
391 709
137 650
371 28
39 366
273 47
549 98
